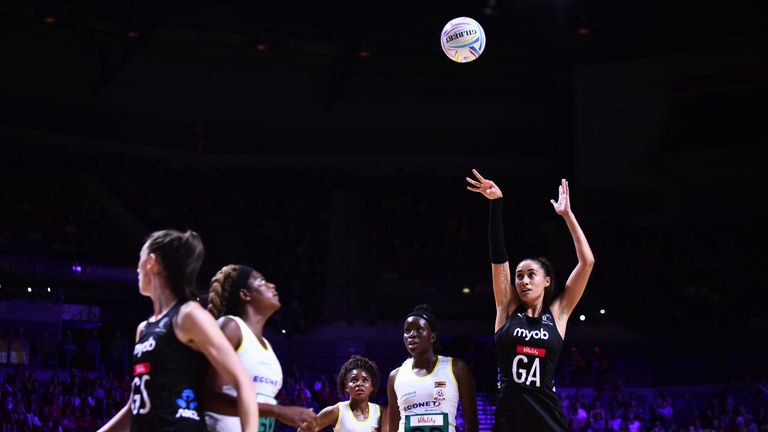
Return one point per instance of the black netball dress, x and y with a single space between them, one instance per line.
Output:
527 350
167 380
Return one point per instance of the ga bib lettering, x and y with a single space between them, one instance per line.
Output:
525 371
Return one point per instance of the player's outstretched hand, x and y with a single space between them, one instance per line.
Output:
563 204
308 426
484 186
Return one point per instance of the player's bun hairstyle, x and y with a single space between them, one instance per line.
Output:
357 362
180 256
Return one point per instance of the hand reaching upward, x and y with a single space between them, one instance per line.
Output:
563 204
484 186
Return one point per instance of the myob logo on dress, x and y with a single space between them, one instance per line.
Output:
143 347
528 334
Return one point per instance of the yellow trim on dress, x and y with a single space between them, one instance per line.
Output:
269 346
338 417
367 419
450 366
437 366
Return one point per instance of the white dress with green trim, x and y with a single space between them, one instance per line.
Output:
347 422
428 403
265 371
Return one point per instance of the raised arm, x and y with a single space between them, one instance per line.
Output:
393 410
503 292
467 394
196 328
563 306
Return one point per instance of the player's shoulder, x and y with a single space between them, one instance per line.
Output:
332 408
191 307
192 321
140 328
192 311
231 329
459 367
226 322
393 374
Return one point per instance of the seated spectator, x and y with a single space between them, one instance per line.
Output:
633 423
578 417
617 420
597 418
87 423
69 419
33 420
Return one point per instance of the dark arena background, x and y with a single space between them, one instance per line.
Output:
326 144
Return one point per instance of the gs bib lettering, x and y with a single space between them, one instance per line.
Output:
266 424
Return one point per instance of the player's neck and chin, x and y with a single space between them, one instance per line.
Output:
360 404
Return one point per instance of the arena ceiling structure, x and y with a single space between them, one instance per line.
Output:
338 77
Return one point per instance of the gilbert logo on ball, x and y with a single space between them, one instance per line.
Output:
463 39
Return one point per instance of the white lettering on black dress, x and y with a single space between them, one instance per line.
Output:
527 349
167 380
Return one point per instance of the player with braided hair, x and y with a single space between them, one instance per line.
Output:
177 344
358 378
242 301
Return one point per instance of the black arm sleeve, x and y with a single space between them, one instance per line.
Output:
496 233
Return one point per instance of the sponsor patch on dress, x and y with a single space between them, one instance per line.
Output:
426 420
538 352
142 368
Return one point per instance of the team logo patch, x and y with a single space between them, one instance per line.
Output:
187 405
439 394
439 391
538 352
546 319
